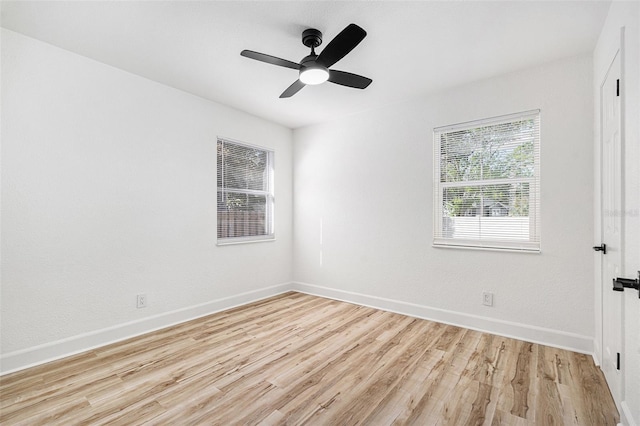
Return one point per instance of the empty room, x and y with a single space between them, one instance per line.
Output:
320 212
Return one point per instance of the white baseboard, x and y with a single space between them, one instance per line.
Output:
29 357
626 418
596 352
529 333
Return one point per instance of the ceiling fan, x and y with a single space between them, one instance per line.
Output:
314 69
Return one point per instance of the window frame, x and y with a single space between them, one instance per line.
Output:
531 245
269 195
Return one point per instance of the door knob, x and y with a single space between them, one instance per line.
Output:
619 284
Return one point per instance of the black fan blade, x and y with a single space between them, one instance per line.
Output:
269 59
342 44
293 89
348 79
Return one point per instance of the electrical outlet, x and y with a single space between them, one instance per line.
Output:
141 301
487 298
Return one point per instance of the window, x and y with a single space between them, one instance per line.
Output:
487 183
245 192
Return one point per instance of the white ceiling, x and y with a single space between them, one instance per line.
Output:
412 48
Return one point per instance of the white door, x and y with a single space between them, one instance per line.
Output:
611 206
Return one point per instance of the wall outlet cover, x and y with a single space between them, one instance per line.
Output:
487 298
141 301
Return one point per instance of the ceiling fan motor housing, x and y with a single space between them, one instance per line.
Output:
311 38
310 61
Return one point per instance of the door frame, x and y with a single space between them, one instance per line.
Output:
601 287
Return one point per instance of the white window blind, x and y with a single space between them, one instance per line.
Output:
487 183
245 192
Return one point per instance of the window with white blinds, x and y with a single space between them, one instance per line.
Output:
487 183
245 192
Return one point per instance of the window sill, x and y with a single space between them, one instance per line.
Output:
488 248
235 241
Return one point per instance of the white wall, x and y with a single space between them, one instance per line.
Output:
627 15
363 211
109 190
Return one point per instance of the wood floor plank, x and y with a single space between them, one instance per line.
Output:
300 359
549 409
510 353
521 382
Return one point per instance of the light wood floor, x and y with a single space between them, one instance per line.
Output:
300 359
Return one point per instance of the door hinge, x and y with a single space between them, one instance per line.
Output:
602 247
618 361
618 87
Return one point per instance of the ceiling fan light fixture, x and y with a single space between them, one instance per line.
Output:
314 75
314 69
